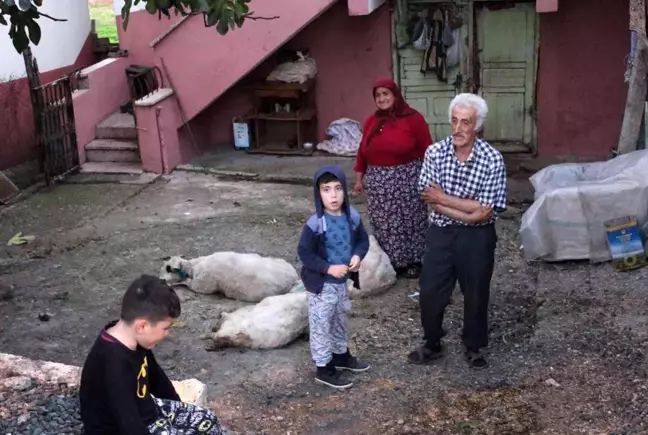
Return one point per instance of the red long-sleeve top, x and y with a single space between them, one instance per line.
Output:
401 141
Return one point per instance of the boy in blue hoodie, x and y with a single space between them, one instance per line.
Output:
332 245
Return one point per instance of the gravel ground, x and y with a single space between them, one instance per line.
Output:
567 347
28 407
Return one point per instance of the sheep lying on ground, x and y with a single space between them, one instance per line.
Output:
376 273
274 322
244 277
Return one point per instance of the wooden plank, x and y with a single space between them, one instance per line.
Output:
636 100
504 78
511 147
507 43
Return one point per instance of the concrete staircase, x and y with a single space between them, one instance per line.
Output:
115 149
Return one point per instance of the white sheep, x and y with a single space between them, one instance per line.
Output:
244 277
376 273
274 322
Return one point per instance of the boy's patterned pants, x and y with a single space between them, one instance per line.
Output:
179 418
327 318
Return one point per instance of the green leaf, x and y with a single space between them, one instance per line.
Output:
19 239
222 27
151 7
20 39
125 13
34 31
212 18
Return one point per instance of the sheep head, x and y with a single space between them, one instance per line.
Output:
176 270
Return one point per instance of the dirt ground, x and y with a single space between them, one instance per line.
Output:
567 346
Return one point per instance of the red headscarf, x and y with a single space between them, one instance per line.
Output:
400 108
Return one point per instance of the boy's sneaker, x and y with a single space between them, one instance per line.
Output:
331 377
346 361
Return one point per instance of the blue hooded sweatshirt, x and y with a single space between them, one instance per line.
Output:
312 243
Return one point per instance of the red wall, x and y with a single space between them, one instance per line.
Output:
581 94
351 53
17 142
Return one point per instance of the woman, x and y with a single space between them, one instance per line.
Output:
389 160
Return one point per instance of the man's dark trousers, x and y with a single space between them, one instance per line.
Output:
458 253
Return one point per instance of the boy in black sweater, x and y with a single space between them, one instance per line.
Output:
123 389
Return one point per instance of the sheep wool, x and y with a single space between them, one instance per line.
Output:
274 322
376 273
241 276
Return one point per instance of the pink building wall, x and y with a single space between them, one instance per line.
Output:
16 113
580 93
351 53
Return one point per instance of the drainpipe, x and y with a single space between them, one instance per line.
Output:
158 110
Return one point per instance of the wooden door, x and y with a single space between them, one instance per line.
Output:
426 93
507 56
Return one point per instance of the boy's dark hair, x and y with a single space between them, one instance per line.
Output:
150 298
326 177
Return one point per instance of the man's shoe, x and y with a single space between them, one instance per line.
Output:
346 361
332 378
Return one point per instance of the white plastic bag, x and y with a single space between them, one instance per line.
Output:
424 39
572 202
344 135
453 55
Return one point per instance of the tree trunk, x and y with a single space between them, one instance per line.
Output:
636 102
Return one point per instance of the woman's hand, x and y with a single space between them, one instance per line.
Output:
358 188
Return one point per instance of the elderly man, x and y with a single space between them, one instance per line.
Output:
464 180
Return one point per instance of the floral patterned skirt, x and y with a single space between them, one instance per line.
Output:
397 215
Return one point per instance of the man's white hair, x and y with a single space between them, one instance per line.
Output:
470 100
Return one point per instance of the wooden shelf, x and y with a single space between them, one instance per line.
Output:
302 115
281 151
284 133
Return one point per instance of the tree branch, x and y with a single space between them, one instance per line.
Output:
255 18
50 17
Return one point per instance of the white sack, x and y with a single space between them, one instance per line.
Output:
299 71
376 273
344 137
572 202
274 322
244 277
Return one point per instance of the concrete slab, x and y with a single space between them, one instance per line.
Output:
268 168
7 188
187 197
100 178
51 212
190 390
112 167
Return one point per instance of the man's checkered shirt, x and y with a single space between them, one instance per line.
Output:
481 177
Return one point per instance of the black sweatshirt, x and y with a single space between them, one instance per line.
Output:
116 387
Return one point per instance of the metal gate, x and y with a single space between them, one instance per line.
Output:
53 122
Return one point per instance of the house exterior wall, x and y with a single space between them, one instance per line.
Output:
580 91
351 53
65 46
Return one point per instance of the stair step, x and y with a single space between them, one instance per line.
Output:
111 168
117 126
110 150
